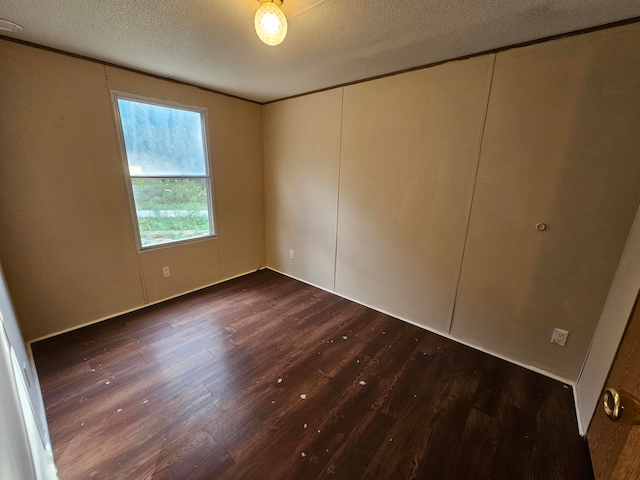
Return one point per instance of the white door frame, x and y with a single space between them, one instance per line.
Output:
610 329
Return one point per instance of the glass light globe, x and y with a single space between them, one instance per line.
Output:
271 24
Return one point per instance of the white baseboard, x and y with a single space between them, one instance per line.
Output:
437 332
140 307
424 327
582 428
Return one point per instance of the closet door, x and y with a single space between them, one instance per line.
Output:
557 189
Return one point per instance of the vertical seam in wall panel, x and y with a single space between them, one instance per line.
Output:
335 258
142 282
474 177
116 127
214 191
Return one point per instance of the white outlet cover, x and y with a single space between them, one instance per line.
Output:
559 336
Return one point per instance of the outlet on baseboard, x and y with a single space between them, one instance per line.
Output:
559 336
166 272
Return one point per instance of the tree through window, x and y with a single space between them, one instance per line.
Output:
168 166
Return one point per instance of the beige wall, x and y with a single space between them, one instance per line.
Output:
66 236
560 147
302 154
237 151
410 146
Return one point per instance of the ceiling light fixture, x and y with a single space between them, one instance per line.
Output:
270 22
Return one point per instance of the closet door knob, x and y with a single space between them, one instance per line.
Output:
541 226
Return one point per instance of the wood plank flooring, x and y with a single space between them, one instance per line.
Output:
264 377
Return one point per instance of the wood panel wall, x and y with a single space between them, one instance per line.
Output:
66 234
557 145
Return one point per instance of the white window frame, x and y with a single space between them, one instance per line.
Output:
203 111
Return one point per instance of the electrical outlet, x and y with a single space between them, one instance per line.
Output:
166 272
290 254
559 336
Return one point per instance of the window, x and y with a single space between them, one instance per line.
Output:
166 158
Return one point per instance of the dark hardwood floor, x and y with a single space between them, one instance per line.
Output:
264 377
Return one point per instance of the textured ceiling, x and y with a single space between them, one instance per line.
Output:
212 43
